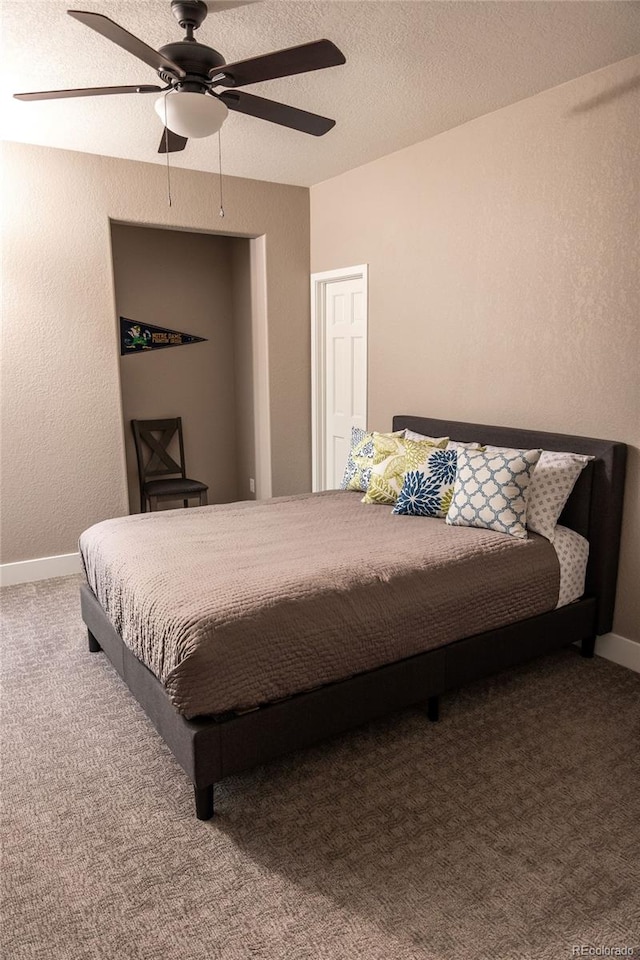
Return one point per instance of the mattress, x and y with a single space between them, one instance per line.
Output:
236 605
572 551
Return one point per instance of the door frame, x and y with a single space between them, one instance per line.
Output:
319 284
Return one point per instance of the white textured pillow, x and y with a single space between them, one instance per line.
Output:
452 444
412 435
553 480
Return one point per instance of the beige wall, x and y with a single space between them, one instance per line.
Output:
243 368
183 281
504 274
63 465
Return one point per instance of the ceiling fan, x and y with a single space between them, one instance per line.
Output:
190 105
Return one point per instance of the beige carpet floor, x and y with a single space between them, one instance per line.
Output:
508 831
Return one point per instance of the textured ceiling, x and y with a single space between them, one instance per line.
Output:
413 70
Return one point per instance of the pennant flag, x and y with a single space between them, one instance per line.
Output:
138 337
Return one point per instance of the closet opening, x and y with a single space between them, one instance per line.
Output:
205 286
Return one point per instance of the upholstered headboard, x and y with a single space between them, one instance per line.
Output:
594 509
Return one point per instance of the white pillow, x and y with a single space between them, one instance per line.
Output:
553 480
452 445
412 435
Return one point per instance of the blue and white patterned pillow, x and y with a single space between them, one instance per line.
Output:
491 490
427 486
553 480
361 441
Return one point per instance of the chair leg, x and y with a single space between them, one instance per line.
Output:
94 646
203 498
185 503
153 504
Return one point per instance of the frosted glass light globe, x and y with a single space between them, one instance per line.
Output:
191 114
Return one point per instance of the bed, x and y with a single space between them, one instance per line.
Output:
235 667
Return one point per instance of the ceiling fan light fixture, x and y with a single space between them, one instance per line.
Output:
191 114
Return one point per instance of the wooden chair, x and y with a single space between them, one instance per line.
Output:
156 436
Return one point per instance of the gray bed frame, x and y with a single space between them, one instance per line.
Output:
210 749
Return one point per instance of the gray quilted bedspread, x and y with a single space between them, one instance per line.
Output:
240 604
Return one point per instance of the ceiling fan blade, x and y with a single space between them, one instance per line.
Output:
218 6
282 63
277 112
86 92
117 34
171 142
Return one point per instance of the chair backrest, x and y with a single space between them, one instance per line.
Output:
156 436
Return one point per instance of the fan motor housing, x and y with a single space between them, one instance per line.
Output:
194 58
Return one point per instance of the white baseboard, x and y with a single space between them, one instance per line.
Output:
25 571
619 649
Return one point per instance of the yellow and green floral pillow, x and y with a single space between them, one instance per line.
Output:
360 460
391 460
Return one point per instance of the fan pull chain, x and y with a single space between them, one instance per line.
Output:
220 171
166 148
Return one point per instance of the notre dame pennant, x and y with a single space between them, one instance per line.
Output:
137 337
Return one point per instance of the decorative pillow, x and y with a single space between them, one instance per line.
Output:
412 435
427 486
491 490
553 480
390 465
451 445
360 459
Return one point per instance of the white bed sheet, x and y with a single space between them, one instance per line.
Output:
573 553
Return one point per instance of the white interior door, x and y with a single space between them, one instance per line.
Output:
340 369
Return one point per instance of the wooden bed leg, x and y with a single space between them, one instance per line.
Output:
94 646
588 646
204 802
433 709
